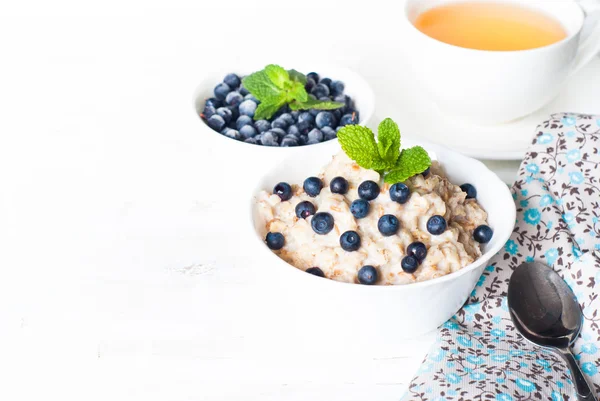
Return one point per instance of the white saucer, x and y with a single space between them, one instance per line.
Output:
421 119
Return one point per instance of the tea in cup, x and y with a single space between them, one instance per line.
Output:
496 61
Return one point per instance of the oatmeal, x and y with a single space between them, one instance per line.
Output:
432 212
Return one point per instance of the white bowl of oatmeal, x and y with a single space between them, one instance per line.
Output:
402 301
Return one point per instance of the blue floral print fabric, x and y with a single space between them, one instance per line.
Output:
478 355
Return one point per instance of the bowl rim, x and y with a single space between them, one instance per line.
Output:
208 81
439 150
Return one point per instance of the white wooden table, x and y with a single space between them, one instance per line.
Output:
119 277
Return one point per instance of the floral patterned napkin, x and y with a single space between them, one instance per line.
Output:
478 354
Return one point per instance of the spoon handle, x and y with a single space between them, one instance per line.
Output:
584 390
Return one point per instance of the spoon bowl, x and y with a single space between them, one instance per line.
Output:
545 311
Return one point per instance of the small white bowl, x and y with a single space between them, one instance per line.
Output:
398 311
257 158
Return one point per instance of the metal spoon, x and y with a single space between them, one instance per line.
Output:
544 310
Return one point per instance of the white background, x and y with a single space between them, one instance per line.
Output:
120 279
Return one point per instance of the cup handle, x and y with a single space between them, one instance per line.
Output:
590 45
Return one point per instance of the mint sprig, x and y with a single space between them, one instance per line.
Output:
275 87
359 144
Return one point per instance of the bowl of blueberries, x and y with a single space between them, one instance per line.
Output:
259 108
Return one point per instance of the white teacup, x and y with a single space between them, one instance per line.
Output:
490 87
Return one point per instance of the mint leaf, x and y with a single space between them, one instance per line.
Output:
297 76
388 141
412 161
298 92
262 87
277 75
274 87
266 109
311 103
359 144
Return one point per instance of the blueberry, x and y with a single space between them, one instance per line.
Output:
270 138
234 98
243 91
483 234
235 113
287 117
279 123
221 91
339 185
399 193
337 88
341 99
337 114
312 186
253 141
306 116
293 130
232 80
320 90
295 114
208 111
348 119
367 275
225 113
360 208
328 131
280 132
270 135
216 122
250 96
322 223
304 127
305 209
214 102
314 112
329 137
315 135
247 131
325 119
269 142
310 84
312 142
315 271
388 225
368 190
326 81
283 190
418 250
233 134
289 142
425 172
313 75
470 190
242 120
409 264
350 241
284 109
247 108
262 125
303 139
436 225
275 241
